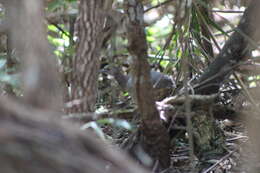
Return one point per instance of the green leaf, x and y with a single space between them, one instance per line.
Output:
52 28
126 94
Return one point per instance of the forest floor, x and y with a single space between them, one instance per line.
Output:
225 147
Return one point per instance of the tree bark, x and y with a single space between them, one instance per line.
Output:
86 62
154 137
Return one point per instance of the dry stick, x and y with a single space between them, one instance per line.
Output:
200 99
227 11
237 138
159 5
221 160
167 43
188 115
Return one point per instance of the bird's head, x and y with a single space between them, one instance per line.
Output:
111 70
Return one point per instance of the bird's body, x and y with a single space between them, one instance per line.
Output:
159 80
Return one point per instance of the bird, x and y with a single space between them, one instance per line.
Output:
162 83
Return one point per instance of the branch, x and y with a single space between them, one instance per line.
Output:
236 49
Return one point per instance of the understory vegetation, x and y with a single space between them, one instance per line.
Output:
168 85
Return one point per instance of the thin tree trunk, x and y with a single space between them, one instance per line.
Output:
154 137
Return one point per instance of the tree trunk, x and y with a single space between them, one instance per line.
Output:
24 20
86 62
154 137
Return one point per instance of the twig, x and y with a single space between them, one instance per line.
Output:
60 29
227 11
221 160
159 5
